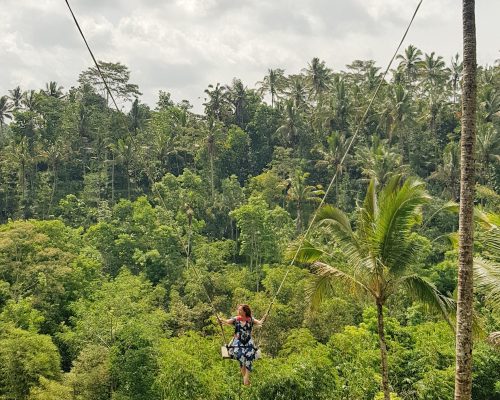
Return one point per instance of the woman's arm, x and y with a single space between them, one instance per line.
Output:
224 321
260 322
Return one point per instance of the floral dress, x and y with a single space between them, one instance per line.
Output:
242 347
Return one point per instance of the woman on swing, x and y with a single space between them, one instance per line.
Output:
242 347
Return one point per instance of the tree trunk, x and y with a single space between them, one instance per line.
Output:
383 351
54 186
463 376
112 177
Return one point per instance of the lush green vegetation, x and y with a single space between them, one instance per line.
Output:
114 227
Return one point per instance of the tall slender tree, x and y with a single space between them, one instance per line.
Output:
410 63
5 111
463 375
272 83
16 95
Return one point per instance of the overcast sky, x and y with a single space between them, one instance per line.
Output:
181 46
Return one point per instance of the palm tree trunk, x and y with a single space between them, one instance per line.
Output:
298 226
383 351
54 186
112 177
463 375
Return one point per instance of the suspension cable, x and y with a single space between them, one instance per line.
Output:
188 245
304 236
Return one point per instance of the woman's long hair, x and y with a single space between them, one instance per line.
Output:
246 308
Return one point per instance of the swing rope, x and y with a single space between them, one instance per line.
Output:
188 245
356 133
311 223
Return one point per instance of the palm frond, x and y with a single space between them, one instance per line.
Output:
326 277
482 218
422 290
329 215
398 213
307 253
449 206
342 236
492 243
368 214
494 339
370 203
391 187
487 279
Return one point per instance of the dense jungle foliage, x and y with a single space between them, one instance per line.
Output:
114 227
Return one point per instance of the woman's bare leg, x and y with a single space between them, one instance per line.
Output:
246 376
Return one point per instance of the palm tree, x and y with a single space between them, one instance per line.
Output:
331 155
300 193
397 109
379 162
30 100
272 83
490 104
53 90
289 130
449 172
5 111
217 105
341 104
465 300
16 96
456 75
488 149
237 96
296 91
433 70
333 116
375 260
318 77
410 63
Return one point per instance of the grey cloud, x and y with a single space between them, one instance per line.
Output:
45 29
183 45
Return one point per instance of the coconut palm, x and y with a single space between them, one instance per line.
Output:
434 70
296 91
290 129
217 106
379 162
30 100
332 153
237 97
300 193
5 111
318 78
487 150
375 260
334 113
53 90
16 95
410 63
396 109
490 104
272 83
448 173
465 298
456 75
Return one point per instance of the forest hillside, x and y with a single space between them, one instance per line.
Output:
124 234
